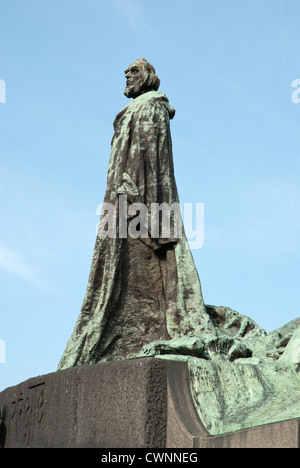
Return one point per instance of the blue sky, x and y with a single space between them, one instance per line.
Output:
227 68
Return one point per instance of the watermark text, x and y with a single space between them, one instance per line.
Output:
296 352
159 221
2 352
2 92
296 93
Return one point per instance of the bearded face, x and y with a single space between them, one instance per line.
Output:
134 80
140 78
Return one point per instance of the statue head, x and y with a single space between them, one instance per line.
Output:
141 77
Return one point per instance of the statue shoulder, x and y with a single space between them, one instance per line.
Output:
153 96
152 99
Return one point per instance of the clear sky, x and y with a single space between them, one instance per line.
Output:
227 68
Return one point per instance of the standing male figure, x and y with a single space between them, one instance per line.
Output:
140 289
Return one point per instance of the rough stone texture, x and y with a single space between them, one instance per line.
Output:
115 405
284 434
120 404
142 403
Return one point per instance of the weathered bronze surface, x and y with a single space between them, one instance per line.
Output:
140 289
144 296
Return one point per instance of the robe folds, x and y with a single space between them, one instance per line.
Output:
140 289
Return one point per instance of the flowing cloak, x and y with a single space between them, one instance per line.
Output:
139 290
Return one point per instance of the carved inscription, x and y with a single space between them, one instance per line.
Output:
27 412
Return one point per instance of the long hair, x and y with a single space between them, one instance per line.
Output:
150 79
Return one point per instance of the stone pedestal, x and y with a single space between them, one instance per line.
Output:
140 403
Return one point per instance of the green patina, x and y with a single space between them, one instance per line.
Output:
139 290
144 296
232 392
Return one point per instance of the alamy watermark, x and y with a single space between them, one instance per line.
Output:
296 94
157 221
2 92
2 352
296 352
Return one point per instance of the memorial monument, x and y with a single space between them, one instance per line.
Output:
149 364
145 288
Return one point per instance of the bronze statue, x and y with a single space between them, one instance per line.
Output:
144 296
146 288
